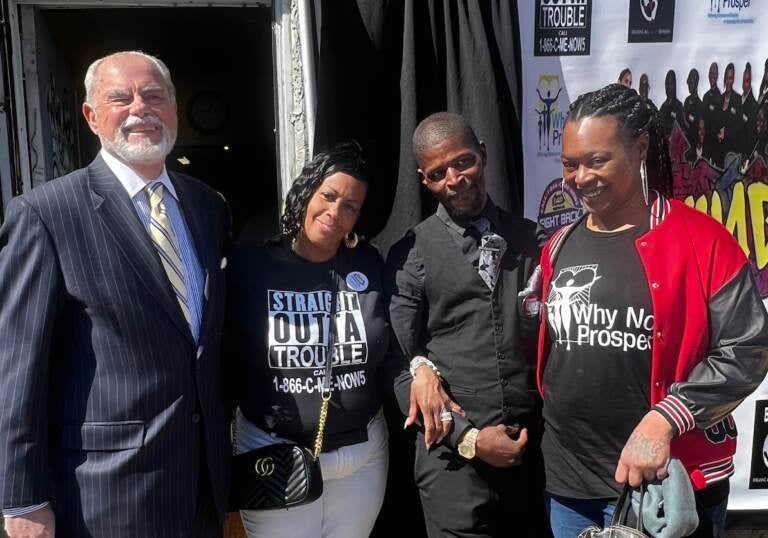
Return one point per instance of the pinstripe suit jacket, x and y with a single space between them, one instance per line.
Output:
108 405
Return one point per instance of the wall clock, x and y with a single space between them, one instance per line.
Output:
208 112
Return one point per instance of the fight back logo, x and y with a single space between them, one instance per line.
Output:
731 11
560 205
551 115
562 27
651 21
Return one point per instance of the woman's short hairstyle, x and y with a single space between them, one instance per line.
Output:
693 76
345 157
624 72
636 116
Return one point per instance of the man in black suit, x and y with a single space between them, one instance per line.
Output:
731 124
453 283
671 110
748 111
711 104
692 107
113 421
644 89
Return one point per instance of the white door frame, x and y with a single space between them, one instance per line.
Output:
6 171
295 89
294 72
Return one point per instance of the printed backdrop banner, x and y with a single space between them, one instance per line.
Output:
677 53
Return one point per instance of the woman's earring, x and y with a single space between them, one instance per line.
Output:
644 180
351 240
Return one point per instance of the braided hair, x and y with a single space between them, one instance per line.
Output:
636 116
346 157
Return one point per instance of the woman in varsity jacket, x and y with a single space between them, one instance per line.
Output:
652 327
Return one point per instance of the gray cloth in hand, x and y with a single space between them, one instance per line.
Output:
669 507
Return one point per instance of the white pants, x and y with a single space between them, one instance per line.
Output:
354 480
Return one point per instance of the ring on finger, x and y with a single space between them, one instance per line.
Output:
446 416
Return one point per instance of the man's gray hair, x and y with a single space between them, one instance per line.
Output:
438 128
90 75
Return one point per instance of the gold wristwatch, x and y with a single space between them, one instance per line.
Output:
467 445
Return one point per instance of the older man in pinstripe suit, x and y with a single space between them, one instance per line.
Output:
113 422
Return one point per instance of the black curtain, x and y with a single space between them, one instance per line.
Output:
383 66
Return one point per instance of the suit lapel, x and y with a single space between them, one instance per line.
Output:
112 204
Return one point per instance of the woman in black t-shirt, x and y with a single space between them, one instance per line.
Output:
280 299
653 330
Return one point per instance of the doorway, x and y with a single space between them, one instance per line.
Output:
221 62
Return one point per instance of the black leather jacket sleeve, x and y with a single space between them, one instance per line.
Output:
735 365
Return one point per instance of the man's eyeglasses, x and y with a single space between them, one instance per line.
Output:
461 164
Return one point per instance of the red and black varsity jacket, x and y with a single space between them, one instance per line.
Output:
710 332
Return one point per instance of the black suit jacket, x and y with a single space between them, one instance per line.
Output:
108 403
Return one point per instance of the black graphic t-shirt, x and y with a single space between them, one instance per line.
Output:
277 333
597 376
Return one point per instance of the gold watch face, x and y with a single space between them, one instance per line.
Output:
466 451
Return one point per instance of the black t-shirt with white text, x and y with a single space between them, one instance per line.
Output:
597 375
277 338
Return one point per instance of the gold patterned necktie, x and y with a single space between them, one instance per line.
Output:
161 232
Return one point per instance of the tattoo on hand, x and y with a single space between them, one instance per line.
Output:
645 448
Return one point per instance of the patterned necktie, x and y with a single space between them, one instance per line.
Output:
161 232
492 248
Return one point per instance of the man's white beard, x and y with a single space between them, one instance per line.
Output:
144 151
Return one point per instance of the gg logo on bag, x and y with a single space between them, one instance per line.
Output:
264 466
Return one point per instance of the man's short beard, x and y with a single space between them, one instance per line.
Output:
468 211
143 152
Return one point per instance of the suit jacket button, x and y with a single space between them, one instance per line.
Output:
196 418
223 263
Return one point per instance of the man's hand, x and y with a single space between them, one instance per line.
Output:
429 399
497 447
646 454
37 524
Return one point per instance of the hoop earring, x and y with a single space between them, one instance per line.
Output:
644 180
562 186
351 240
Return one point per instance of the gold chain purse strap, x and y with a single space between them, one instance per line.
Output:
321 423
325 396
